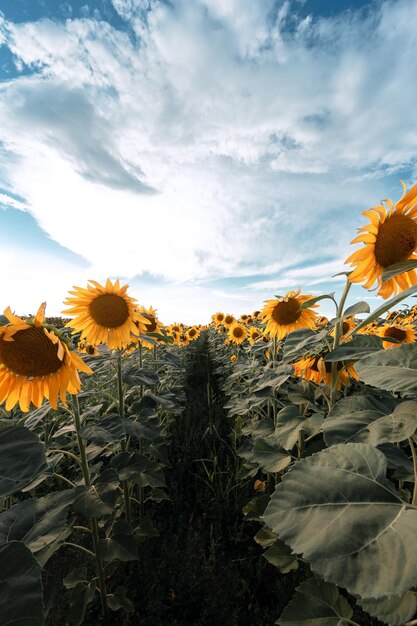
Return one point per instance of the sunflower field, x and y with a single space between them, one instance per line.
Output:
255 470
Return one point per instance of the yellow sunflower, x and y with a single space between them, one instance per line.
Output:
228 321
104 314
314 368
233 358
237 333
254 335
192 333
390 237
218 318
348 325
35 363
285 314
87 348
402 332
152 324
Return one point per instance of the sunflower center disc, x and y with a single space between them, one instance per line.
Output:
345 328
109 310
30 353
396 240
395 333
238 333
286 312
228 319
192 332
150 325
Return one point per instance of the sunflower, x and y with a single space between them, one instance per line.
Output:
228 321
104 314
402 332
391 237
321 322
254 335
237 333
174 328
152 325
369 329
233 358
87 348
244 318
218 318
192 333
347 325
285 314
35 363
314 368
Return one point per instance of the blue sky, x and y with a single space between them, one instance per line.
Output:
210 153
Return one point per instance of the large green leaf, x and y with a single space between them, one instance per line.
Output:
289 424
281 557
121 545
137 467
22 458
318 603
359 347
40 523
20 586
340 512
365 419
394 611
301 341
100 498
109 429
398 268
394 369
270 455
143 427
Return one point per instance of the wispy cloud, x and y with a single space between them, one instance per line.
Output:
210 138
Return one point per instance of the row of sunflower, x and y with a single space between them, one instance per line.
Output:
106 448
324 425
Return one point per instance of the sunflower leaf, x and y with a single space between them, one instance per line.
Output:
281 557
360 346
398 268
270 455
316 602
394 610
340 512
22 458
365 419
326 296
383 309
359 307
394 370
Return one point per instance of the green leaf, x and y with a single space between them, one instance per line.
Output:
394 610
265 537
100 498
121 545
140 376
270 455
20 586
40 523
326 296
146 529
365 419
355 309
118 600
340 512
359 347
75 577
147 428
81 596
318 603
274 377
301 341
289 424
255 508
22 458
109 429
398 268
394 369
383 309
139 468
281 557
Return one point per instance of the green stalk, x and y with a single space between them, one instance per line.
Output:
337 334
414 455
125 483
94 525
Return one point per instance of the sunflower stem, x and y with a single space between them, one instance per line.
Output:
337 334
414 455
125 483
94 525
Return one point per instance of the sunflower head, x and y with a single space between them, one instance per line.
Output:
218 318
36 363
237 333
228 321
389 238
233 358
104 314
192 333
254 334
284 314
317 370
400 332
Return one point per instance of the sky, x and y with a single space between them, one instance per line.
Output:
210 153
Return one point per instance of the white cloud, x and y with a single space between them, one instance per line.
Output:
220 144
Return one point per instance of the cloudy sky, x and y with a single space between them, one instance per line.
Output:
211 153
